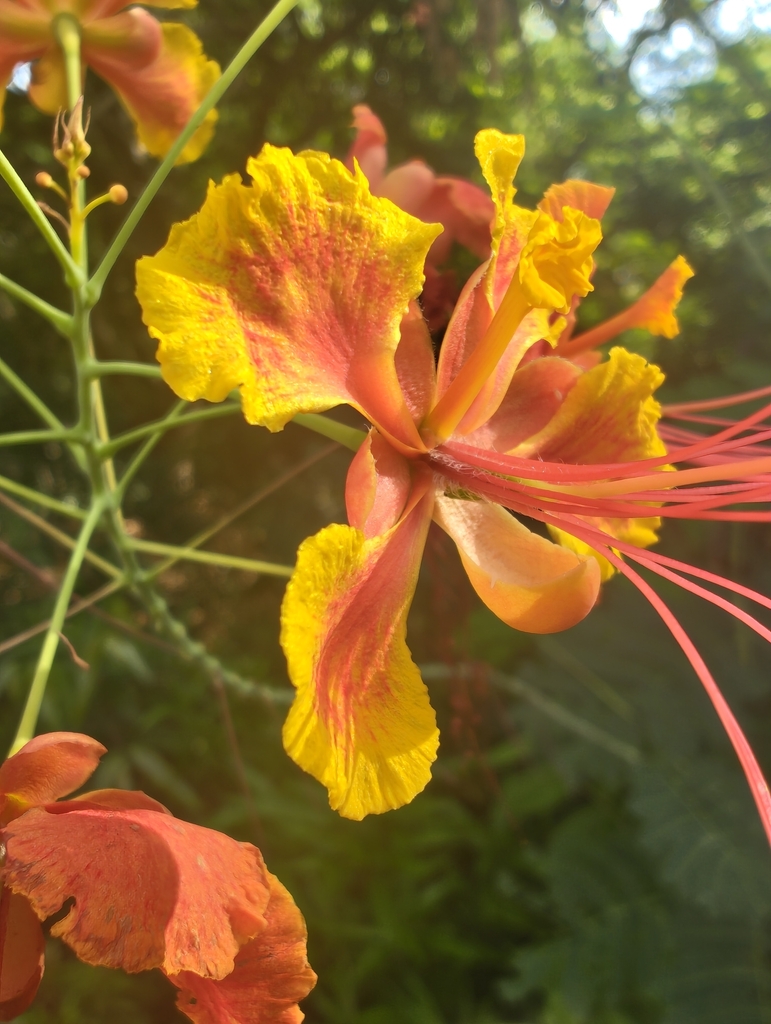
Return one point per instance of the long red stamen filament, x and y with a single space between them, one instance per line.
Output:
724 402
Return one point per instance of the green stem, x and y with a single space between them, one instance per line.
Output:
72 272
349 437
136 463
61 321
41 437
161 426
40 499
24 391
244 55
31 711
97 368
211 558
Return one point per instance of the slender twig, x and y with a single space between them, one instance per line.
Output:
136 463
244 55
24 391
152 547
41 437
77 606
98 368
61 321
349 437
161 426
41 499
58 535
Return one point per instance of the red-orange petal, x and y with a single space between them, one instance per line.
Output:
377 486
109 800
465 212
271 974
527 581
22 951
591 199
48 767
149 890
369 146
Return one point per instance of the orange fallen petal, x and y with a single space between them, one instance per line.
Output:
46 768
149 890
271 974
527 581
22 949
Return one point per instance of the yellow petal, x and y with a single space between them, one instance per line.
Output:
361 722
292 288
556 261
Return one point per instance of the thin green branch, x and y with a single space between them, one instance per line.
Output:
40 499
152 547
217 91
349 437
136 463
25 392
59 536
31 711
61 321
128 369
41 437
161 426
72 272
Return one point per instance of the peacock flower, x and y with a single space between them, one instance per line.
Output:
299 289
149 891
158 70
462 208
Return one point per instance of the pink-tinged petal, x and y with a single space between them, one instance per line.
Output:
536 392
527 581
292 288
409 186
149 890
608 416
361 722
271 974
440 293
160 96
415 362
48 767
22 952
377 486
369 146
466 214
109 800
48 88
591 199
472 316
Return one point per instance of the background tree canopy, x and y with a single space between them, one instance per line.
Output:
587 852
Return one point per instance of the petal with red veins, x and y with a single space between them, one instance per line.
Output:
536 392
271 974
22 950
527 581
361 722
160 96
377 486
414 359
149 890
48 767
292 288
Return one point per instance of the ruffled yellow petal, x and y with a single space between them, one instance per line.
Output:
556 261
293 289
361 722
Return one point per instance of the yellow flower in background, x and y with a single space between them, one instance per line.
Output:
299 289
158 70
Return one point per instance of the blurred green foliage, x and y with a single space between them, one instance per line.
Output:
587 852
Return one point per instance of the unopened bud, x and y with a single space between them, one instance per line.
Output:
83 171
44 179
118 194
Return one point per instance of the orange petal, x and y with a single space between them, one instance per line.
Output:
591 199
466 214
160 95
414 359
24 35
48 89
361 722
46 768
527 581
409 186
377 486
22 951
608 416
369 146
271 974
536 392
149 890
292 288
111 800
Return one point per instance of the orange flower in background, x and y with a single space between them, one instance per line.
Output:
300 290
149 891
158 70
463 209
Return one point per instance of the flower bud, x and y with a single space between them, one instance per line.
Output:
44 179
118 194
